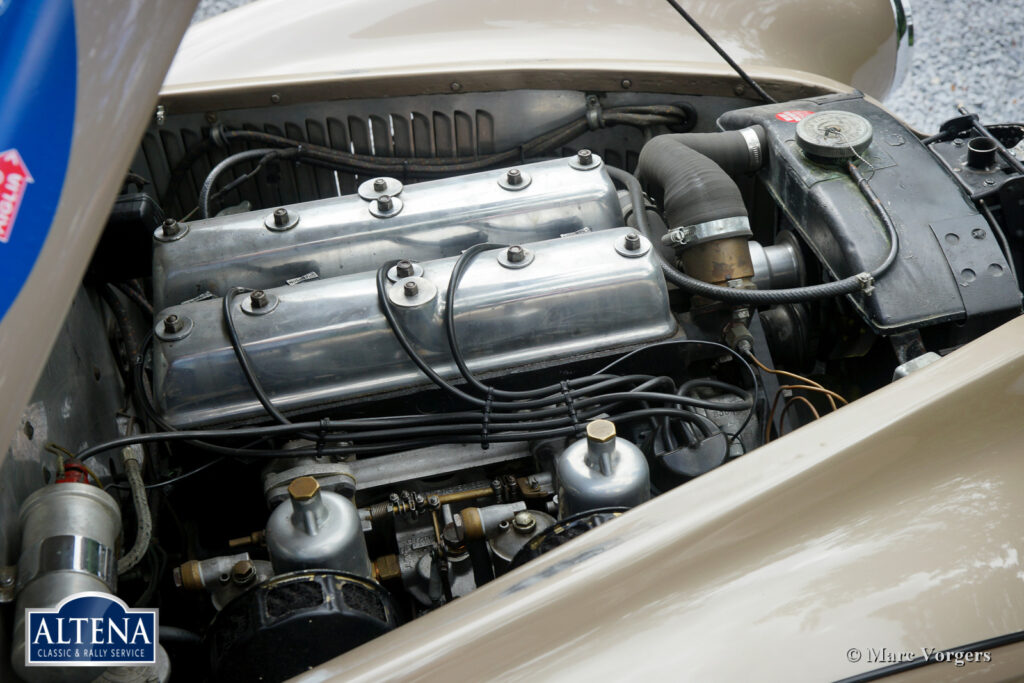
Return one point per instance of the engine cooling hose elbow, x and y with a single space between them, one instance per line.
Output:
690 173
738 296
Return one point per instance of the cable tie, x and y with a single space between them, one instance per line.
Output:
569 406
325 427
487 417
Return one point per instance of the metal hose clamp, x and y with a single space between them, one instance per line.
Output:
69 554
753 147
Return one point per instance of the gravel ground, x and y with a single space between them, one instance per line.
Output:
969 53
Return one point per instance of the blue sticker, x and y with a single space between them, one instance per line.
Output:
38 77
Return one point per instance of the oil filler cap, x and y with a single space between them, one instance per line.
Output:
833 135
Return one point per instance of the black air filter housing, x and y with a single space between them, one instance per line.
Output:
296 621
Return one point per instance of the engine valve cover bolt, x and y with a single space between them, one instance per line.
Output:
258 299
243 572
584 157
632 241
281 217
171 227
524 522
411 289
514 177
515 254
384 203
173 324
380 184
404 268
303 488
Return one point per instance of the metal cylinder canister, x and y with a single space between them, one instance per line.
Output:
317 529
69 538
602 470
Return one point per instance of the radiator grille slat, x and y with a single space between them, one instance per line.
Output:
403 136
465 145
421 135
443 143
316 135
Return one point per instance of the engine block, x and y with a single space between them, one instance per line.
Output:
326 341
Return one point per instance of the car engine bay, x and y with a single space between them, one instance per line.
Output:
335 365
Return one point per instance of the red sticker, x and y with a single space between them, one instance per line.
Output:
793 116
14 176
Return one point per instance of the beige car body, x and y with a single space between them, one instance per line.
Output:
894 523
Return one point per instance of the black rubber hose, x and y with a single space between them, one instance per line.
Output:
691 285
264 155
124 322
365 449
689 174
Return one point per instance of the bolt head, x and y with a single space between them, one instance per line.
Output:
380 184
989 181
243 571
404 268
626 84
258 299
173 324
514 177
515 254
303 488
584 157
384 202
633 241
524 521
171 227
281 217
978 234
600 431
411 289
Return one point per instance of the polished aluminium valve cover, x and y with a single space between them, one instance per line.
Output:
350 234
326 341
